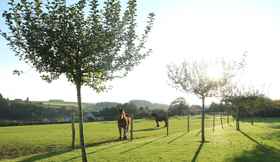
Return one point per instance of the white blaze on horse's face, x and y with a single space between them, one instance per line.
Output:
122 114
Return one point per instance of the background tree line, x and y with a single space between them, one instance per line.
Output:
20 112
250 106
15 112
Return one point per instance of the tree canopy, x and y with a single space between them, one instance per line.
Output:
88 47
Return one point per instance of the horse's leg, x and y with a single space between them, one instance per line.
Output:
157 123
120 132
166 122
125 130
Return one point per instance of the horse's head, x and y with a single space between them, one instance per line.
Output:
122 113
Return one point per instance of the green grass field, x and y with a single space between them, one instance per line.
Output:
256 143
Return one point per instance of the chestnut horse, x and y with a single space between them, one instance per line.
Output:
124 121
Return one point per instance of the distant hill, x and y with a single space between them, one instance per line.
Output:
94 107
150 105
141 103
99 106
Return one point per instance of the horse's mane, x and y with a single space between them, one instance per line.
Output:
124 115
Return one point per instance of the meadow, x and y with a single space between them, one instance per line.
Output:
258 142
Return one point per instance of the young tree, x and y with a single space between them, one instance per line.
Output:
240 99
180 107
196 78
193 77
89 48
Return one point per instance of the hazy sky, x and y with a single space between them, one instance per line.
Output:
184 29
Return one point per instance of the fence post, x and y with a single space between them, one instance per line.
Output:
131 128
214 121
73 130
221 115
227 117
189 122
167 125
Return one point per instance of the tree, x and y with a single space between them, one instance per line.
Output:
195 77
180 107
240 99
222 108
258 104
89 48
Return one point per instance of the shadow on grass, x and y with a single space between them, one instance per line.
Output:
176 138
147 129
142 145
56 153
260 145
103 149
261 153
197 152
263 120
44 156
198 133
258 155
250 138
275 126
274 135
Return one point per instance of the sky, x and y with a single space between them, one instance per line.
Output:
183 30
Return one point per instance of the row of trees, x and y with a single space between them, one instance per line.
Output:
25 112
257 106
196 78
175 109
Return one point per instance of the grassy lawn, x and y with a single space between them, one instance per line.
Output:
253 144
25 140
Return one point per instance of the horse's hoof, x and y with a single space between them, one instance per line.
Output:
125 138
120 138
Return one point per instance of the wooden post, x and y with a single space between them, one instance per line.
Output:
189 122
131 128
252 119
73 130
227 117
214 118
221 115
167 125
237 119
167 128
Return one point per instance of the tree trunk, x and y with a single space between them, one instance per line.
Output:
202 120
73 131
189 122
237 119
221 118
81 120
214 121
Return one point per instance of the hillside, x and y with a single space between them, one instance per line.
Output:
95 107
150 105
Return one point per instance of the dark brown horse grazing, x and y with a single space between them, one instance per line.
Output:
159 116
124 121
